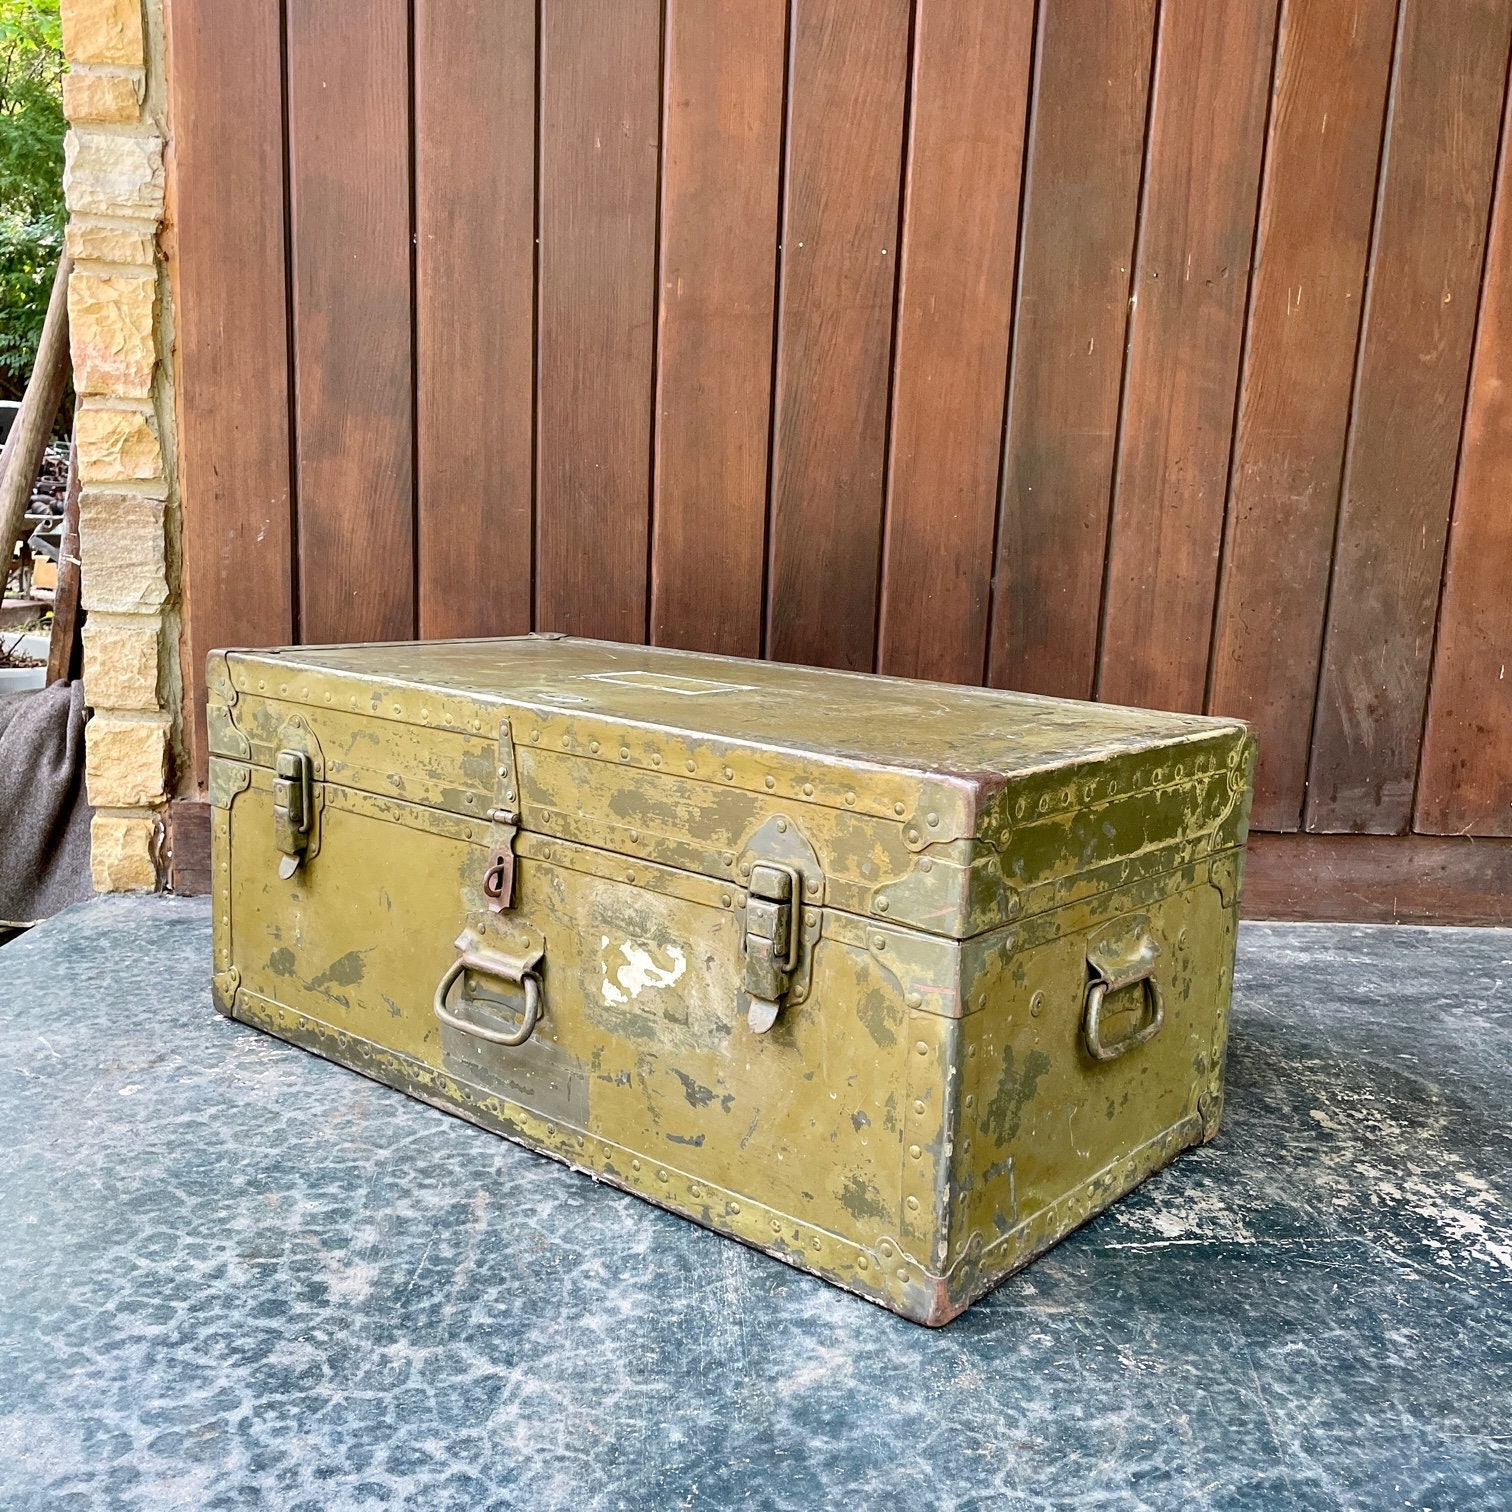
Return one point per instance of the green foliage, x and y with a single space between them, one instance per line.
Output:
28 257
31 178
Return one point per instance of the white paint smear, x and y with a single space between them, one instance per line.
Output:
641 969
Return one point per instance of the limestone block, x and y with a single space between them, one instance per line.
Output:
103 31
102 97
123 852
121 663
122 548
112 244
117 446
125 760
110 331
112 174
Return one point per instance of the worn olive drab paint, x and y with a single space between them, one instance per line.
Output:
880 1062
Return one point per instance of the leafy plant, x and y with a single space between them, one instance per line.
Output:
31 178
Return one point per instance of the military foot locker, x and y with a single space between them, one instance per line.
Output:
895 981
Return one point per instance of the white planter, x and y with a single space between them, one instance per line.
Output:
35 644
21 679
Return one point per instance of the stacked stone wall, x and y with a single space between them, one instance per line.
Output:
120 322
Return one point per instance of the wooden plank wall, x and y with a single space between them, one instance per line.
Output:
1149 350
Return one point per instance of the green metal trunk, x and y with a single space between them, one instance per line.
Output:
896 981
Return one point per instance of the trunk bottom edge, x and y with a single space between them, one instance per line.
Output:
982 1268
886 1275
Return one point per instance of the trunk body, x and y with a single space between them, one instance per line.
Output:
898 982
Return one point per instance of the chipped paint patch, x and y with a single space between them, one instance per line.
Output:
346 971
642 967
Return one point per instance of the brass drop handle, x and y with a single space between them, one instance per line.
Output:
1097 991
504 971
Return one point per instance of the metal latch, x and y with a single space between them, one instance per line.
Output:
499 879
771 938
293 808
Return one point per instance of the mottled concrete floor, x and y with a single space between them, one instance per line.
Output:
236 1276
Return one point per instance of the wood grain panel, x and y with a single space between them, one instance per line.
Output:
1086 147
955 317
231 349
1378 879
600 89
1212 83
186 848
474 313
1465 786
726 61
1332 72
1410 395
349 187
844 159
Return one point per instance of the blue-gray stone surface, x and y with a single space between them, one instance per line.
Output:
234 1275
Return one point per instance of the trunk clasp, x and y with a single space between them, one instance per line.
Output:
771 938
293 808
784 908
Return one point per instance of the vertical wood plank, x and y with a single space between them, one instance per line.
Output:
1409 404
475 120
839 256
955 315
600 88
1086 147
231 351
1212 83
722 165
349 91
1316 204
1465 786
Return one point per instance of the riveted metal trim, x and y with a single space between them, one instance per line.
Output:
359 753
227 779
793 777
225 978
1226 872
388 701
628 840
413 816
1208 760
223 988
931 1048
218 685
927 968
1190 797
224 737
611 867
796 776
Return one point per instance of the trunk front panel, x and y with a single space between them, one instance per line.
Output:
642 1067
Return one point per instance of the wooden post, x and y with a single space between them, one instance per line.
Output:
34 420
